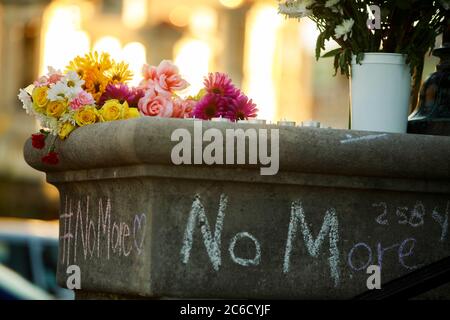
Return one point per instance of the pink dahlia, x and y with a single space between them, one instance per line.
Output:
122 92
220 84
241 108
210 106
82 99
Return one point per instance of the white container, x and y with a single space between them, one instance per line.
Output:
380 93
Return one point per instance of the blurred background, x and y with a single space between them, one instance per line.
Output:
269 57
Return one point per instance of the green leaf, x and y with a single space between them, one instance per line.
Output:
359 57
332 53
336 63
320 45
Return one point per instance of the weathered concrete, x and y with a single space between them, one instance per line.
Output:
342 200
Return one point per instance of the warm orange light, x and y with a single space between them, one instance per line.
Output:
203 22
232 4
260 49
134 54
180 16
109 45
192 57
134 13
63 37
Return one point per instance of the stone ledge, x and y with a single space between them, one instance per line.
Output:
324 151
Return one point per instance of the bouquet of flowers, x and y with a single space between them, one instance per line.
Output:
94 88
408 27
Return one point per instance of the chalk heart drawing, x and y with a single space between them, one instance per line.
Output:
139 231
92 224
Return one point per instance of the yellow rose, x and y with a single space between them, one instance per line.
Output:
132 113
113 110
40 100
65 130
86 115
56 108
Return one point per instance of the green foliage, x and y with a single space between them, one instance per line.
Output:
408 27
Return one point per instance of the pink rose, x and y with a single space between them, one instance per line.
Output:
183 108
149 72
150 77
82 99
155 105
168 78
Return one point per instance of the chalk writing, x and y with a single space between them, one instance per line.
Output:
401 253
352 251
402 213
329 228
382 218
245 262
365 138
99 236
417 214
414 217
66 237
442 220
212 242
360 256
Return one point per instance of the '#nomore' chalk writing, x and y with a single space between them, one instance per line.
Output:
100 235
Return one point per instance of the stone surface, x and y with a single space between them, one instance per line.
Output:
342 200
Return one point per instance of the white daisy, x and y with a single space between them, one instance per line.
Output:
74 84
296 8
344 29
27 103
72 80
58 91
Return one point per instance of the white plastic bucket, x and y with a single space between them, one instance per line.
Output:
380 92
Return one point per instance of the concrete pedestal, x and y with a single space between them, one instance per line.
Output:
137 225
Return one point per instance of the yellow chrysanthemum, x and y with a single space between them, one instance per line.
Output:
95 83
79 65
92 60
119 73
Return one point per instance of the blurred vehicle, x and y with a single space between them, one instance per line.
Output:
29 248
15 287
